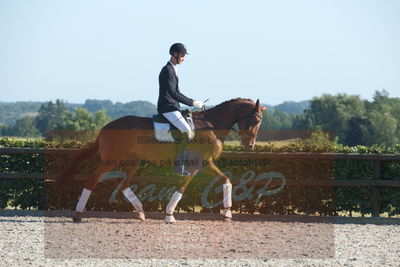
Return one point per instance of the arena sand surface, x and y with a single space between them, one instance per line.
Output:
37 238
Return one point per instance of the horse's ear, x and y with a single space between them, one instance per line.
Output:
257 105
263 108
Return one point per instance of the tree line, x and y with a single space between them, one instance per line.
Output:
349 119
59 115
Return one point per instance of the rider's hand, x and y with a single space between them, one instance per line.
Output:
198 104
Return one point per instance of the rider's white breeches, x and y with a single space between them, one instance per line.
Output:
176 118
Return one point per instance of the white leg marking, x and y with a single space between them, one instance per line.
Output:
171 207
227 201
83 200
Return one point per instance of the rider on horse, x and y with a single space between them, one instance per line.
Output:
170 96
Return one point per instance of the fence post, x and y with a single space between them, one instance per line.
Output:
375 196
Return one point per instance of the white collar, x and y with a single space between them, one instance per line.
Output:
175 67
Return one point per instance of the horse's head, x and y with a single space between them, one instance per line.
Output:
246 113
249 122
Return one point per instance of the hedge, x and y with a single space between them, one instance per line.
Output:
38 193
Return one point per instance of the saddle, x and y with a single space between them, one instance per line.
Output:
165 131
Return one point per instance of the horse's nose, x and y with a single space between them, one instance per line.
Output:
249 146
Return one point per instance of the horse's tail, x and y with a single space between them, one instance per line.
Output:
83 154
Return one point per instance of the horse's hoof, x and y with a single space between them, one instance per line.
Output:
227 219
141 216
169 219
227 213
77 217
76 220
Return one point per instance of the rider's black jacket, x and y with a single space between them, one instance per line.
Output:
169 95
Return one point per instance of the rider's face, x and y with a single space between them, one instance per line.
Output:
180 59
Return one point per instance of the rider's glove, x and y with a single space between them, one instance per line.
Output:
198 104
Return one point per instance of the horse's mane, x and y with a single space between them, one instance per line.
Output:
200 117
232 100
200 114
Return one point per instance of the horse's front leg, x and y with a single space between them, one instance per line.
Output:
176 197
212 170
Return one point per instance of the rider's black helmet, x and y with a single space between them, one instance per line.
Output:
178 48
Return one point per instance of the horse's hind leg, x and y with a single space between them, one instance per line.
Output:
128 193
87 190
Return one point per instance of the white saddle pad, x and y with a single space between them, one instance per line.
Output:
162 132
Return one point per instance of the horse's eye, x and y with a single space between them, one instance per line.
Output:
254 121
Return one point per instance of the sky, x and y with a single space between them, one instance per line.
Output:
274 51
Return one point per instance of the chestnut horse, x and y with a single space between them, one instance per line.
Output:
124 140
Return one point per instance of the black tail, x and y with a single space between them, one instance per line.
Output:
83 154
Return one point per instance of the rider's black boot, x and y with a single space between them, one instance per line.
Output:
182 155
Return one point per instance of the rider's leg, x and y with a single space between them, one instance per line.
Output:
176 118
182 143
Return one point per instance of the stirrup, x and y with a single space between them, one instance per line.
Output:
180 168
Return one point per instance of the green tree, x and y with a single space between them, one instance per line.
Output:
25 127
333 113
292 107
270 122
50 116
137 108
383 114
5 130
359 131
80 125
10 112
383 129
275 119
82 119
94 105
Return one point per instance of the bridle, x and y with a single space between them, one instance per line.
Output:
254 115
